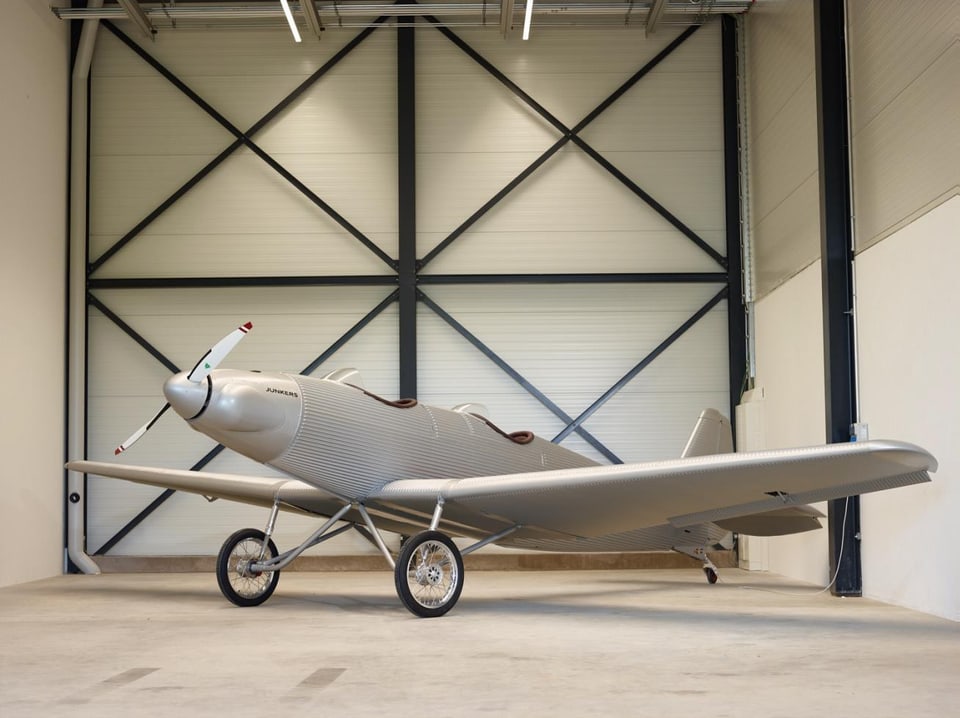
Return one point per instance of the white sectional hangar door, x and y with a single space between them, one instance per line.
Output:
538 227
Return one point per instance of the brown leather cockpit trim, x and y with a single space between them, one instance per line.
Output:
398 404
517 437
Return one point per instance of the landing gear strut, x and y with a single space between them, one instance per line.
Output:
700 554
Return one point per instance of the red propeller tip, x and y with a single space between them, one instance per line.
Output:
118 450
248 326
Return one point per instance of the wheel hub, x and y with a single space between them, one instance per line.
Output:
429 574
243 569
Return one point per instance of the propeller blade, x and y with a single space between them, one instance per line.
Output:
140 432
209 361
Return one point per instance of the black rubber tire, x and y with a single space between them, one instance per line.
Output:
429 574
711 575
249 591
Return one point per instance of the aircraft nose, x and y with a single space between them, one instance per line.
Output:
187 398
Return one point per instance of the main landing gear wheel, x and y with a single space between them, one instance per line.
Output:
429 574
711 575
240 585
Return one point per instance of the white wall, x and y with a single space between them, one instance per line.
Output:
790 374
785 228
906 151
908 346
782 130
34 59
904 66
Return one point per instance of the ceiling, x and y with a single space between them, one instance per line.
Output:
315 17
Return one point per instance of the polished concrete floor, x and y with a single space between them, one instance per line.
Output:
560 643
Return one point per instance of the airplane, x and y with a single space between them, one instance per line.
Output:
373 464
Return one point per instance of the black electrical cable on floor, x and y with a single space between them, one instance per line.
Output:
843 535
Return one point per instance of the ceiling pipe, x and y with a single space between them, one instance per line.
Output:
165 15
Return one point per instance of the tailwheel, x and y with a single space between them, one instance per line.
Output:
711 574
240 585
429 574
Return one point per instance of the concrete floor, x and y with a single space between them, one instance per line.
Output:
589 643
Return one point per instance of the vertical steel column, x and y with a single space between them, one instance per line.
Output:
836 247
407 201
736 311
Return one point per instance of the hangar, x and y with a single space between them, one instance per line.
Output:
635 211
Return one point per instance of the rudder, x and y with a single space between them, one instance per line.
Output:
711 435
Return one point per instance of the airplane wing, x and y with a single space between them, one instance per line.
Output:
591 501
602 500
257 491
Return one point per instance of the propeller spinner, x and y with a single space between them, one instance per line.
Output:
208 362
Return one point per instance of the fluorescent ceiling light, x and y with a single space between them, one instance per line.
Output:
290 20
526 20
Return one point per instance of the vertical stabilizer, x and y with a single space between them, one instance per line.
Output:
711 435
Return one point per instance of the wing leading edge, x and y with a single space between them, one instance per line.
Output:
602 500
257 491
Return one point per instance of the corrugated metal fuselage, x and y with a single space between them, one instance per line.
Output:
349 443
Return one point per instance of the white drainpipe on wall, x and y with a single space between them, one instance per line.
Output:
76 379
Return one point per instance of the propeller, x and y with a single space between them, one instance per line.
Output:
208 362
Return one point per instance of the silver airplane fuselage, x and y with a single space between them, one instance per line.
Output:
349 443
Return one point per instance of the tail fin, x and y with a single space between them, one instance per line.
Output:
711 435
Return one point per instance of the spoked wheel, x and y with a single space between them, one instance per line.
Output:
236 581
429 574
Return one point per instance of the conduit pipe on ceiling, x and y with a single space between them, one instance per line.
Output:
77 322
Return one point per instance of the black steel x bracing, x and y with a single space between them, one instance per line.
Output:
574 425
243 138
215 451
570 135
517 377
133 334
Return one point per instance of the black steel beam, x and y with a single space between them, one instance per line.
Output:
407 202
387 280
351 333
133 334
575 424
736 310
635 78
493 201
671 218
836 246
242 138
596 278
516 376
358 280
161 499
